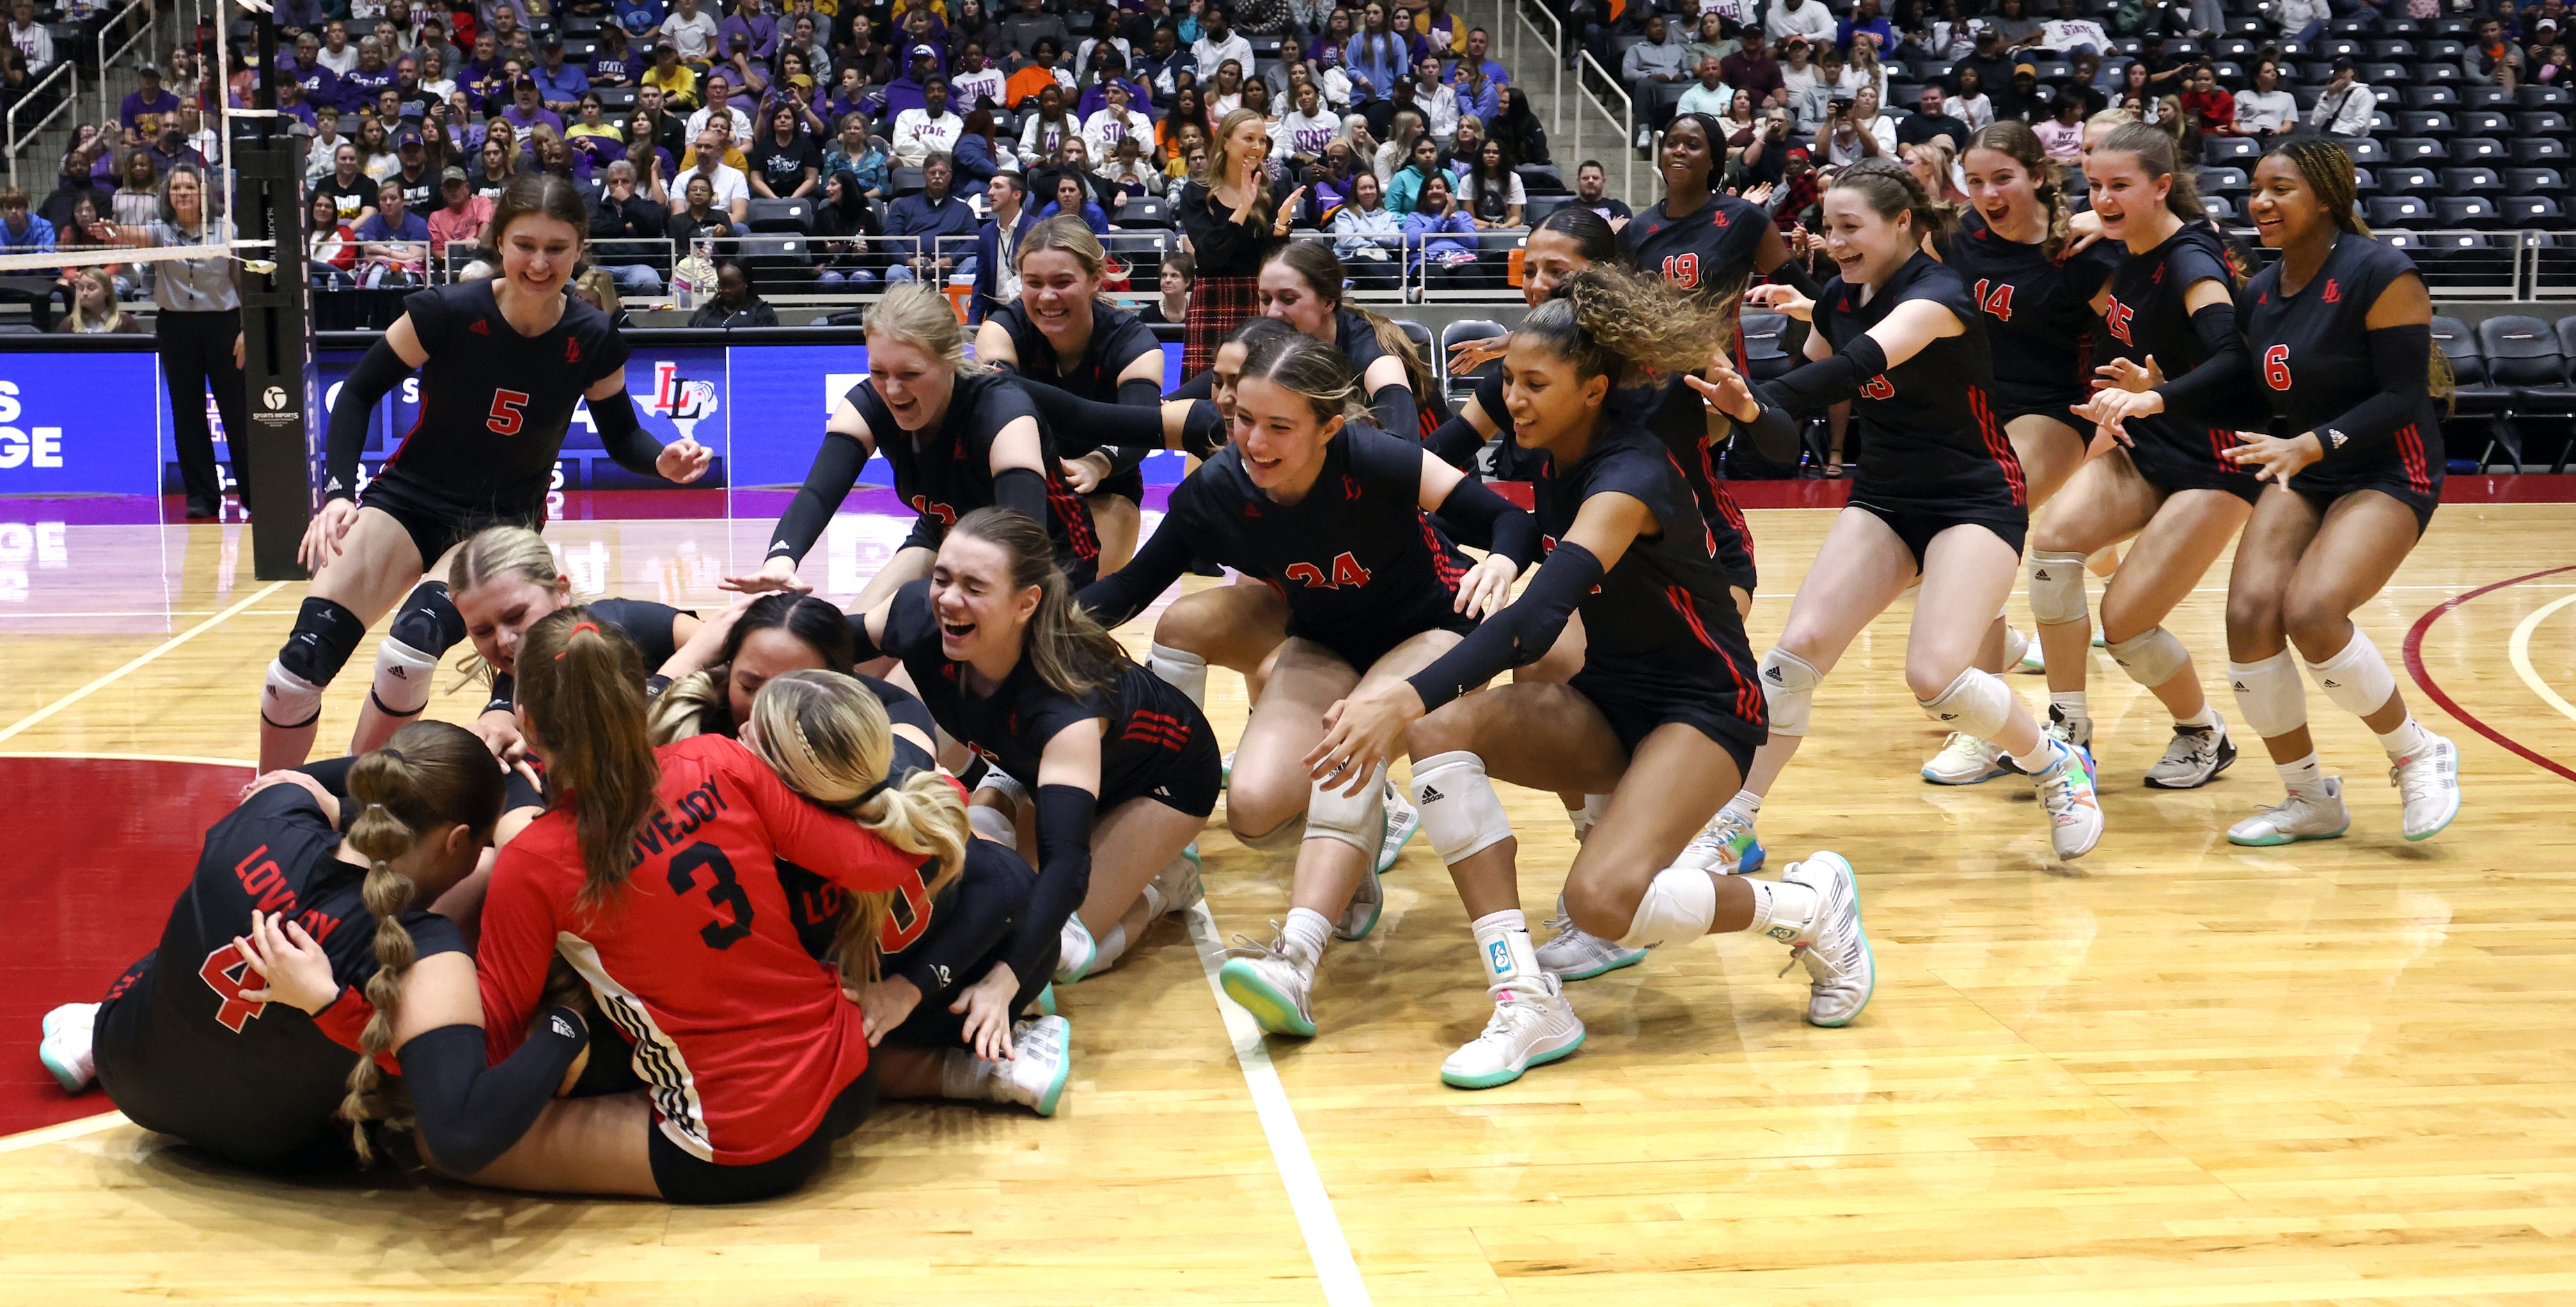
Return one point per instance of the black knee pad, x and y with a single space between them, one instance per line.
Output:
324 637
428 620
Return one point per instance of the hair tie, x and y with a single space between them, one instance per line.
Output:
577 628
393 753
873 791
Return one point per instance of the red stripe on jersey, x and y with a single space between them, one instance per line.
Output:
1681 602
1726 505
2410 445
1077 519
1998 446
1149 733
1749 703
1444 559
2218 443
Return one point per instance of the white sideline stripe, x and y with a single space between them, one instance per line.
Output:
243 763
42 714
1306 1197
54 1134
2521 651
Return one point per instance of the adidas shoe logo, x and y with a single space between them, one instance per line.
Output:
1430 795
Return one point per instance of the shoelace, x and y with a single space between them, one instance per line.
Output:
2057 789
1509 1018
1246 946
2421 783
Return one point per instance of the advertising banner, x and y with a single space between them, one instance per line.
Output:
78 424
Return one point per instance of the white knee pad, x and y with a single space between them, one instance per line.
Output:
1358 820
1460 811
2269 696
1978 703
289 700
1788 690
1679 905
2057 588
402 678
993 824
2151 657
2358 679
1182 670
1008 786
1288 835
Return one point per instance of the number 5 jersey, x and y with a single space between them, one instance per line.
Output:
741 1036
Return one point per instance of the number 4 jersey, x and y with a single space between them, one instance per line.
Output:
742 1038
182 1052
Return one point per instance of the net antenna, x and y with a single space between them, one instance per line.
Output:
283 402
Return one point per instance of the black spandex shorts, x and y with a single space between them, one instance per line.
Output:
1916 529
1634 710
1362 649
1128 485
686 1179
438 522
2391 483
2167 459
2056 408
1186 781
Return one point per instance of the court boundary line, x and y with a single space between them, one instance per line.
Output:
1316 1220
60 1131
2423 677
2519 650
47 712
75 755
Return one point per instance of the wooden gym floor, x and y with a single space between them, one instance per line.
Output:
2173 1072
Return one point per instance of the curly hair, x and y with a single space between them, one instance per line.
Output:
1612 322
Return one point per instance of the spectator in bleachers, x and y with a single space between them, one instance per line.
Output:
2553 67
2266 111
1436 30
330 248
2303 20
1866 20
1114 121
921 65
35 44
1807 18
1805 91
1754 72
972 24
856 151
72 184
754 23
484 76
1517 128
1658 58
498 167
976 84
1710 40
1934 120
1375 59
336 53
2018 98
1225 91
692 32
1434 97
527 111
1441 238
1950 36
1042 70
559 85
1048 127
997 244
874 62
462 214
2345 106
720 111
1989 62
22 232
2208 108
1862 68
370 78
1025 27
732 189
785 165
1591 191
676 82
146 98
393 242
1710 94
841 222
735 304
2016 26
1173 280
431 39
1851 132
1218 43
669 132
1309 126
1492 192
929 215
2062 137
1422 162
614 62
980 151
698 214
1071 197
1188 109
94 308
2492 60
1368 236
296 17
1163 58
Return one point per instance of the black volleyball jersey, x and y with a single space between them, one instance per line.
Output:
1117 341
646 623
1934 443
2311 356
1357 339
2144 315
1358 560
494 405
1662 618
1148 723
2038 312
202 1060
1710 250
948 473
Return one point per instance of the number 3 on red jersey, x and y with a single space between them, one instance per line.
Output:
2276 367
506 418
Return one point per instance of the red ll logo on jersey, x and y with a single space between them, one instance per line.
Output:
2334 293
2116 316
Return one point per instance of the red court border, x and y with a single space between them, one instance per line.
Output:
2415 668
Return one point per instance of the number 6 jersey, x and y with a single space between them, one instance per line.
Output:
742 1038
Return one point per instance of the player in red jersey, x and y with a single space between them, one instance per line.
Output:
655 875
